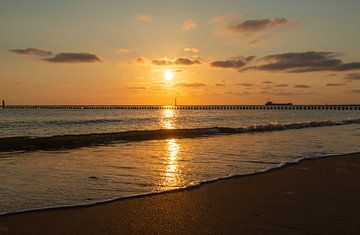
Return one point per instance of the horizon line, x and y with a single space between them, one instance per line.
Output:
284 104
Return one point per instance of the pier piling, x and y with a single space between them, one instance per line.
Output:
345 107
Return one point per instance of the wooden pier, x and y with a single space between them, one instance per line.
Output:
191 107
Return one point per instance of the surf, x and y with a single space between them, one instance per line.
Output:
58 142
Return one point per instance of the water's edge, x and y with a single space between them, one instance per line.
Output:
189 187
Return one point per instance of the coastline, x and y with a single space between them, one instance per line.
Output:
313 196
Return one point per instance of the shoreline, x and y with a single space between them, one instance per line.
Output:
189 187
9 223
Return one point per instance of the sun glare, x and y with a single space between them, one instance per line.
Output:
168 75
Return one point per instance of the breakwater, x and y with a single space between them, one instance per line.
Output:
193 107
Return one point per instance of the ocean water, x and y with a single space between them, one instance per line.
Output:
215 144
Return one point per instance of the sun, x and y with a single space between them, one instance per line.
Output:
168 75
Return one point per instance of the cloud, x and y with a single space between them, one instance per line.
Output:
335 84
235 63
281 85
355 91
178 70
331 75
177 61
254 26
353 77
302 86
267 87
144 18
284 93
297 62
123 51
245 84
166 62
254 42
189 24
221 83
248 58
251 32
267 82
140 60
238 93
186 61
136 88
32 51
162 62
71 57
190 85
191 49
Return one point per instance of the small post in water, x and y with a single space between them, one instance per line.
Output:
3 104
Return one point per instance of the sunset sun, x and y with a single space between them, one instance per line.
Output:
168 75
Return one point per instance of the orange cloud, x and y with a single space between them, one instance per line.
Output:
191 49
32 51
123 51
293 62
144 18
71 57
309 61
191 85
189 24
177 61
254 26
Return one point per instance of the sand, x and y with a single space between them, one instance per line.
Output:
314 197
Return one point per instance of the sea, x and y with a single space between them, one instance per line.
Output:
69 157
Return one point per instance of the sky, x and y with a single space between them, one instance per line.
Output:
201 52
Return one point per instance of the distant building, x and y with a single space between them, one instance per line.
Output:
271 103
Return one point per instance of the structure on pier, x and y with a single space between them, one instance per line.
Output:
271 103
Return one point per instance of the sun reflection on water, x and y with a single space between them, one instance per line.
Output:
170 177
168 118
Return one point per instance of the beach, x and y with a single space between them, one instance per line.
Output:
179 117
311 197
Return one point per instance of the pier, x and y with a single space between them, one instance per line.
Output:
191 107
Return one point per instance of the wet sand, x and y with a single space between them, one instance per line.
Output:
315 196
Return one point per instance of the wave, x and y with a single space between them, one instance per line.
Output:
83 122
60 142
65 122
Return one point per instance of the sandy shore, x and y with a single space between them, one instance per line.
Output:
315 196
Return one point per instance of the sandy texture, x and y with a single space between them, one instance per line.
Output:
317 196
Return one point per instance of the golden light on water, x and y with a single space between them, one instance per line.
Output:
168 119
172 149
171 171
